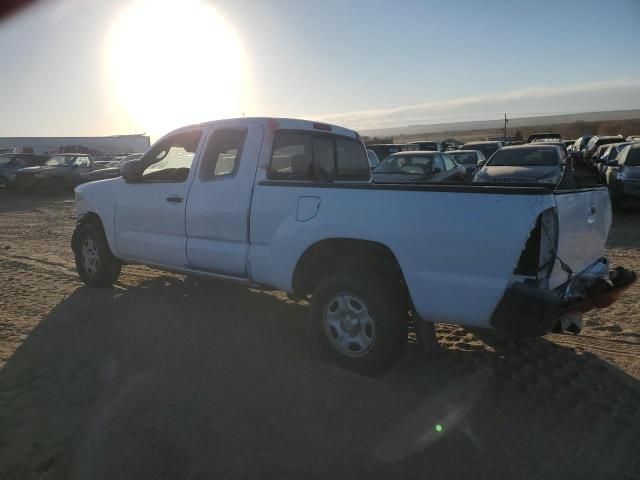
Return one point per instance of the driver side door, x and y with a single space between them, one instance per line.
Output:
150 210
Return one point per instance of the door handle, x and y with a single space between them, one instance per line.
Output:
175 199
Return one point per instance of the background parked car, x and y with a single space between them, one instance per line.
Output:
595 142
530 163
487 148
383 150
428 146
550 137
610 154
419 167
61 171
624 180
577 152
111 169
12 162
596 159
471 160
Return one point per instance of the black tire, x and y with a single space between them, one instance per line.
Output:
104 272
386 321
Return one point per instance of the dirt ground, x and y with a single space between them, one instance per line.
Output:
162 378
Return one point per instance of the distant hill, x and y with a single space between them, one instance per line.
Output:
514 123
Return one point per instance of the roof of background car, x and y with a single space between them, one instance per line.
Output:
462 151
606 137
415 153
482 142
531 146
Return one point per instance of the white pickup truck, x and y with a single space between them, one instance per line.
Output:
289 205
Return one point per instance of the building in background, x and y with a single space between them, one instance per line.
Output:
111 144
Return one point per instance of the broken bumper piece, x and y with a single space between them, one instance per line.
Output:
527 311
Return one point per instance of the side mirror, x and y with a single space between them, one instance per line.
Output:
481 163
131 171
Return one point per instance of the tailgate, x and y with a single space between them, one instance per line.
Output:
584 219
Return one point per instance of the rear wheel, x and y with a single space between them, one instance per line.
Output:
359 321
95 263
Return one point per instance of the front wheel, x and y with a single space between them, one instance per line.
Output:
359 321
95 263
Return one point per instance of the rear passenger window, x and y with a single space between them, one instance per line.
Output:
324 157
352 163
291 157
222 153
309 156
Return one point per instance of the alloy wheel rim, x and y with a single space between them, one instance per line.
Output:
90 256
349 325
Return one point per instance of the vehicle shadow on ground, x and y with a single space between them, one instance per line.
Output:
169 379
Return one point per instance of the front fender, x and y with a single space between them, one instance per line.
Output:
99 199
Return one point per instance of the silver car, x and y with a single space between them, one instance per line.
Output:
530 163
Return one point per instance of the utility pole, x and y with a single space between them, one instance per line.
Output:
505 127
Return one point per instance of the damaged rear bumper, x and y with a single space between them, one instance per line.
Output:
528 311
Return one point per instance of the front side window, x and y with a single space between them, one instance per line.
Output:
82 162
170 160
222 154
60 160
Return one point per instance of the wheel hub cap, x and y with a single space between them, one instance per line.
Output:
349 325
90 256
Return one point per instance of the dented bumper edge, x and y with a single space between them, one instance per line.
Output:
528 311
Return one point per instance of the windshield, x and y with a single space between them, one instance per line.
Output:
530 157
405 164
58 160
5 160
465 158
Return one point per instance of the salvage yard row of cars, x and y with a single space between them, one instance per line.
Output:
293 205
615 162
543 161
57 172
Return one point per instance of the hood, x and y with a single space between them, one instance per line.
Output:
525 171
42 168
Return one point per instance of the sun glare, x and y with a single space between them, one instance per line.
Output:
175 62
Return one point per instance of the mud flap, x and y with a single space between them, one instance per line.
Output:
526 311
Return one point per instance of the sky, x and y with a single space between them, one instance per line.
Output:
100 67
